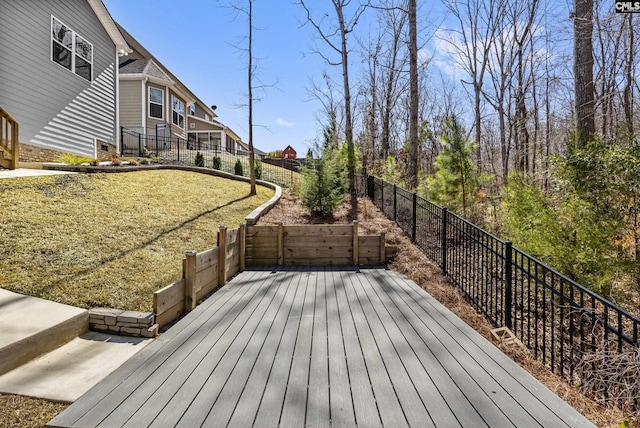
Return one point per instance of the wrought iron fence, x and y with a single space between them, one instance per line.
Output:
563 323
177 151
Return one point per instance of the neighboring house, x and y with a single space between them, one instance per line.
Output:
59 76
289 153
154 102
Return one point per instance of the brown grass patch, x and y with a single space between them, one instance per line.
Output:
25 412
111 239
413 263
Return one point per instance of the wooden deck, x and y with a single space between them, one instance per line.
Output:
317 346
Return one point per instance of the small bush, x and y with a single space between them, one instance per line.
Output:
199 160
70 159
257 168
238 169
216 163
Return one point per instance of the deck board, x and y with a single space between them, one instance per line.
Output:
319 347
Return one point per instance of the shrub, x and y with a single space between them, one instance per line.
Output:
199 159
257 168
70 159
238 169
216 162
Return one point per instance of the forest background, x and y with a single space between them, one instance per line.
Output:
519 116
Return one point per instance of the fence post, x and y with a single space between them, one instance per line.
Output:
190 280
280 244
242 245
414 217
222 256
382 196
355 246
508 288
444 239
371 187
139 144
395 203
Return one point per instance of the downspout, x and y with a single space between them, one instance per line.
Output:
117 130
144 105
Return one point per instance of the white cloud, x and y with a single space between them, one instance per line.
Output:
280 121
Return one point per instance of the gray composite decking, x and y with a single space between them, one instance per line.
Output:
311 346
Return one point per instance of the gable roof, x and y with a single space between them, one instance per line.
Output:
146 55
145 67
122 47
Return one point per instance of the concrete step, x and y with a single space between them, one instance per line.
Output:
68 372
31 327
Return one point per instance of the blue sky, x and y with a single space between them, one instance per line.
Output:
197 39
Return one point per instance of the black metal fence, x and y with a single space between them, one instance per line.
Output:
177 151
577 333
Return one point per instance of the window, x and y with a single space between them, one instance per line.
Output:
156 103
70 50
206 116
192 109
178 111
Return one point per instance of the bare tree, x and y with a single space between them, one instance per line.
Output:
247 10
335 36
478 24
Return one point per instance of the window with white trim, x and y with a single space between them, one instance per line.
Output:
178 111
156 103
192 109
70 50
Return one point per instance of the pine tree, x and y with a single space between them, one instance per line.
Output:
456 179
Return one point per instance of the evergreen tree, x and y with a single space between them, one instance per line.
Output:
456 179
324 182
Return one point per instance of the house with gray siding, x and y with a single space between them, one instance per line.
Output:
154 102
59 76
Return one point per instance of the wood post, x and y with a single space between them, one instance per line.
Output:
190 280
280 244
242 245
222 255
383 252
356 249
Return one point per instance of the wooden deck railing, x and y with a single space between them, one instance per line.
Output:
9 146
203 272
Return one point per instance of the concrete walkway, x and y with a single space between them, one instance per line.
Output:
47 352
26 172
68 372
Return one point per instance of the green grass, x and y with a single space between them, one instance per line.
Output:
111 239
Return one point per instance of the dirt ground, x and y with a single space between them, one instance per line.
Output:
413 263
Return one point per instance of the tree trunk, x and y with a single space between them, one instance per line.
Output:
252 171
412 167
583 71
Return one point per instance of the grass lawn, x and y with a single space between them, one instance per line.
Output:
111 239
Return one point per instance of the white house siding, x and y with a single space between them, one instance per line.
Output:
56 108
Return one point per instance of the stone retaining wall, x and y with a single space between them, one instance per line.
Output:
124 323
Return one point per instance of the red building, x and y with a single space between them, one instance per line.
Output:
289 153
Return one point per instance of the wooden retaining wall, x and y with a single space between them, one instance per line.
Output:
313 245
264 246
202 273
